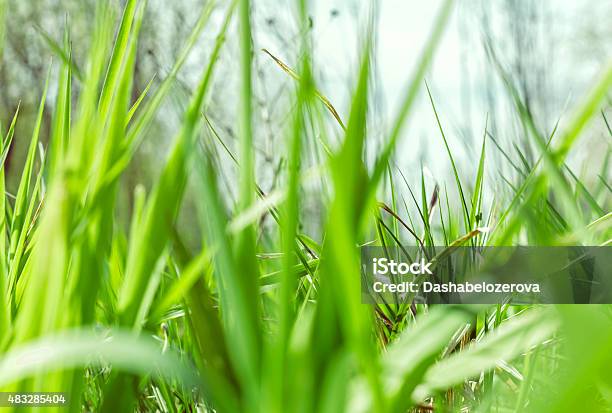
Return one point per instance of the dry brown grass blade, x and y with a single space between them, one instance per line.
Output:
388 210
459 242
319 95
465 238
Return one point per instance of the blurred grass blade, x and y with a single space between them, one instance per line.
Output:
416 350
162 206
79 348
238 308
340 255
511 339
585 113
60 51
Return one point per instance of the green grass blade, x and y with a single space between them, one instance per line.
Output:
5 314
34 205
466 217
581 189
8 139
21 200
81 151
138 102
119 52
60 135
479 183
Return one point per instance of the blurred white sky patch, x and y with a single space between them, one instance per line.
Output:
553 49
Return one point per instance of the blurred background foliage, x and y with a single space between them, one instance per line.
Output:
551 49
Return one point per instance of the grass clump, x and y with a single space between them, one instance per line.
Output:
263 318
